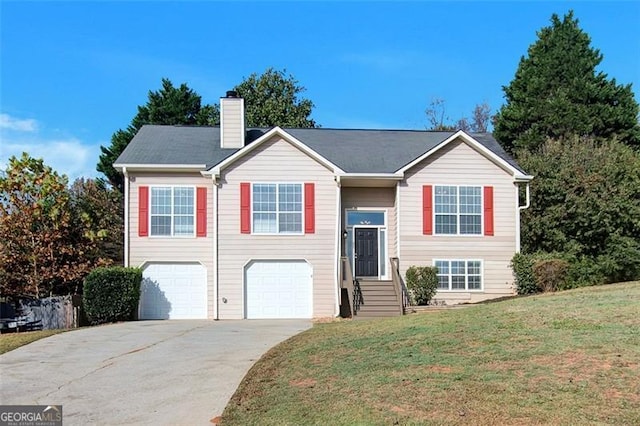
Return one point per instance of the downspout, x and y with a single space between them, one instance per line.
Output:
338 235
518 210
398 219
126 217
528 199
216 306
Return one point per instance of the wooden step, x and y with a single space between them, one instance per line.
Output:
378 313
380 299
368 298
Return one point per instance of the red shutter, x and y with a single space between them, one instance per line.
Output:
201 212
143 211
245 208
427 210
309 208
488 210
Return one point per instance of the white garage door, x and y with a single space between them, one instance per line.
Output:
174 291
278 289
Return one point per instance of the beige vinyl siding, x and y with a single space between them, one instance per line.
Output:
374 199
276 161
144 250
459 164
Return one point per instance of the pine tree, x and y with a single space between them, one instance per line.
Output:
170 105
557 92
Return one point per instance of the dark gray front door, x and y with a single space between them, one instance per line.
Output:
366 252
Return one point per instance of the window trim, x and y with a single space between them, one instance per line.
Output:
195 213
466 275
302 207
458 234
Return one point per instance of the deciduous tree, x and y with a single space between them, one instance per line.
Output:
557 93
440 121
35 227
274 99
585 203
98 208
51 236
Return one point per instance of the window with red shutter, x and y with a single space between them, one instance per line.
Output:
309 208
201 212
427 210
143 211
245 208
488 210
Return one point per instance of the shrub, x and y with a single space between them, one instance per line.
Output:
583 271
112 294
550 274
580 271
522 265
585 203
422 283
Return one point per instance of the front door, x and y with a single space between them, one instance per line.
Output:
366 252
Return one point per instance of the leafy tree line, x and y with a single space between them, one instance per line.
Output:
577 132
53 235
271 99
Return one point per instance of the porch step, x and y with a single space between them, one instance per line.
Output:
380 300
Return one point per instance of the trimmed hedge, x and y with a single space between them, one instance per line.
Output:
112 294
422 283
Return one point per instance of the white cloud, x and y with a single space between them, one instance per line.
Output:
66 155
70 157
11 123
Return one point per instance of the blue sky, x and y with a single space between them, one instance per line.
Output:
72 73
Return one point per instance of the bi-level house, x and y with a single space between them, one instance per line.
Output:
231 222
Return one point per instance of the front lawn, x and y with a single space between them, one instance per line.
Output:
564 358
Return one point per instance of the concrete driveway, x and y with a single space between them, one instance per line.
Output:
147 372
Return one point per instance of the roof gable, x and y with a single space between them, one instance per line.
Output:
495 155
275 132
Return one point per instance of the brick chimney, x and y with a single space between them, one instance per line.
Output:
232 129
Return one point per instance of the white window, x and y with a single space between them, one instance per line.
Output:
458 210
459 275
277 208
172 211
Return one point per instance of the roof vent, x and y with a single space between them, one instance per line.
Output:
232 94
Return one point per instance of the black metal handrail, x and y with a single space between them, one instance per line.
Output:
357 297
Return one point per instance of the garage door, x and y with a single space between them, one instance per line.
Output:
174 291
278 289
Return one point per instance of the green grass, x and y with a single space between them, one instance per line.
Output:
11 341
564 358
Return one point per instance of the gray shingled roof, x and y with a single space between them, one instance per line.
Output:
369 151
354 151
191 145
